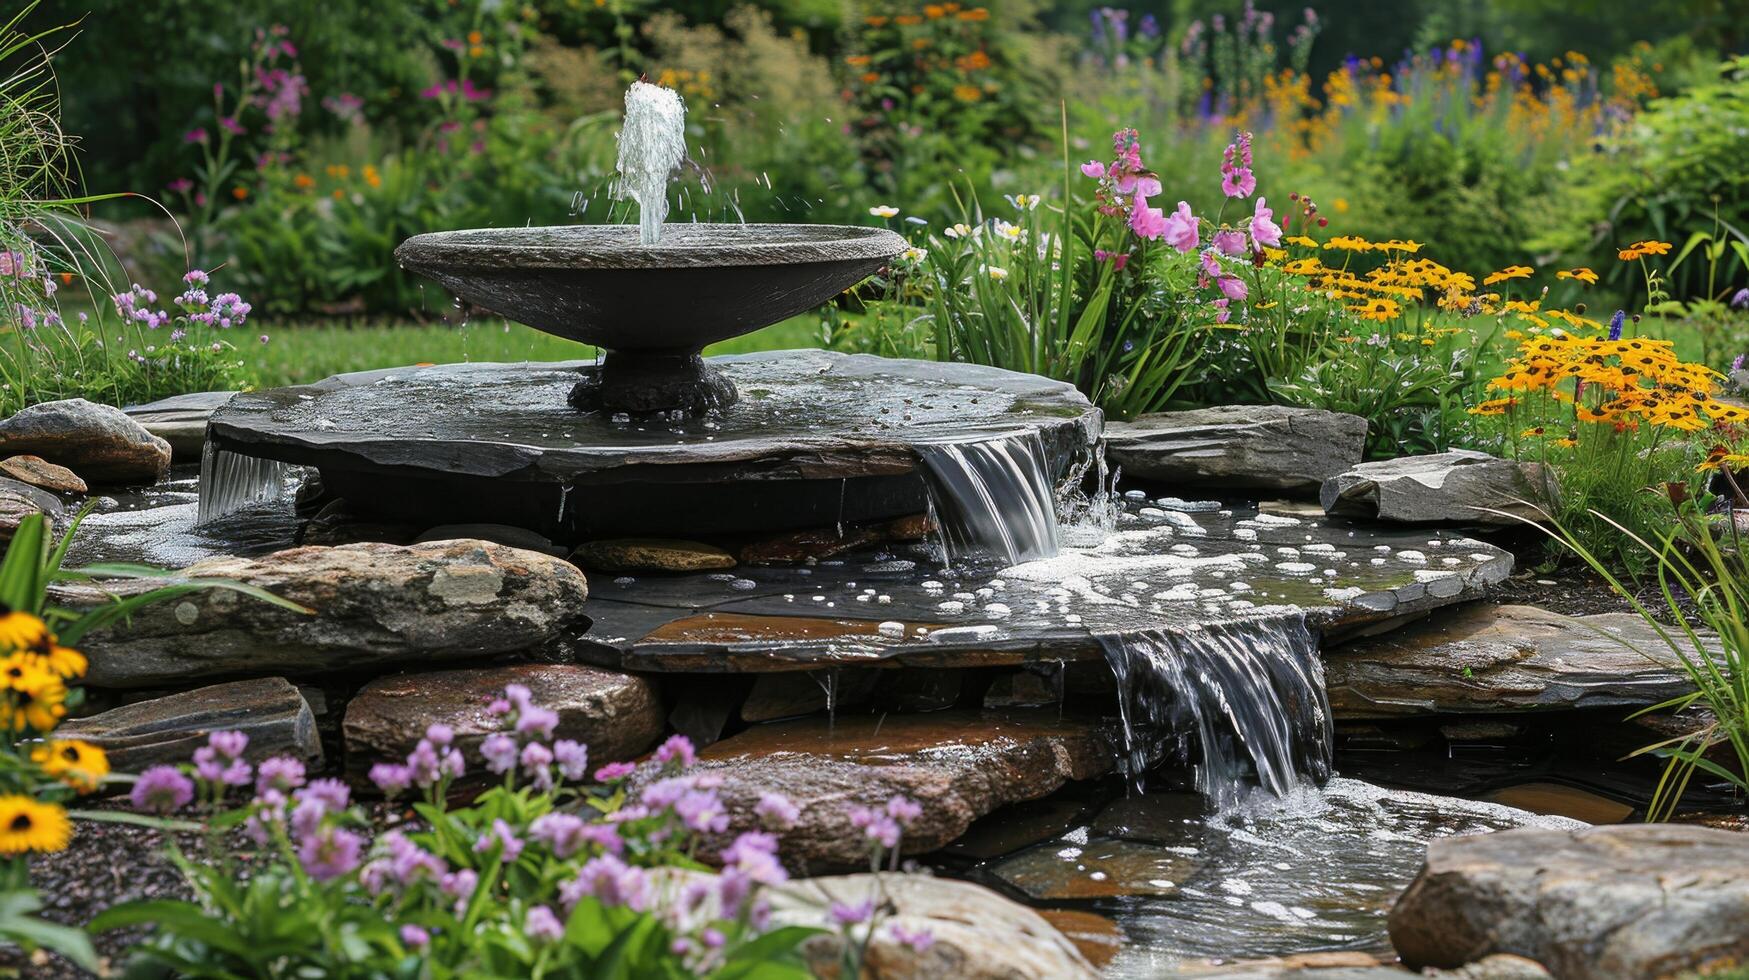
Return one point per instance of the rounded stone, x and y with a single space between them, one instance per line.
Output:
652 555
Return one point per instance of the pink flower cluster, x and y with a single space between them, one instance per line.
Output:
1236 177
1125 186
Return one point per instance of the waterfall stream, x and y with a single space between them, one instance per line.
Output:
993 498
1251 694
231 481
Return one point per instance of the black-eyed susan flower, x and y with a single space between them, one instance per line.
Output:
29 825
79 764
21 631
1510 272
35 698
1640 250
1582 274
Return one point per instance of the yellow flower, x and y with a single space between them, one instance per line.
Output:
1349 243
994 272
884 211
1378 310
1582 274
27 825
1494 406
80 765
34 695
22 631
967 93
1640 250
1510 272
1566 442
1027 202
1301 241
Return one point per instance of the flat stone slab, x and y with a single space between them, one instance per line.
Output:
42 474
978 934
1638 900
270 710
1163 569
618 716
1483 659
376 606
98 442
959 765
1266 447
1457 487
21 500
180 420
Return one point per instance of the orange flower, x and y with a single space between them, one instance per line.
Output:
304 181
875 21
1640 250
239 192
1510 272
907 20
870 77
934 11
1582 274
976 13
967 93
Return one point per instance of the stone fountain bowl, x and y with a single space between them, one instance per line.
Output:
653 308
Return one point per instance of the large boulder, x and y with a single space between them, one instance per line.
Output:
180 420
1483 658
976 934
374 606
1262 447
1638 900
619 716
959 765
98 442
270 710
1457 487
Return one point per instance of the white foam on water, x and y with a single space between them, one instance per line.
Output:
652 143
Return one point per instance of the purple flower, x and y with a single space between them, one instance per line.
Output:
702 811
1740 299
1230 242
162 789
562 832
534 720
230 745
415 938
215 768
180 185
573 759
391 779
1615 323
330 854
754 854
281 773
613 772
501 837
542 926
196 135
917 939
332 793
849 915
537 762
609 881
904 809
776 812
876 825
678 748
499 751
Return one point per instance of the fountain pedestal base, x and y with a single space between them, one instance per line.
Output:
642 383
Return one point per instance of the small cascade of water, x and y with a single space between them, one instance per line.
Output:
993 498
231 481
1251 693
652 142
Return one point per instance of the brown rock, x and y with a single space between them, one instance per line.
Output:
270 710
801 546
619 716
651 555
375 605
1637 900
19 501
1097 937
98 442
1562 800
959 765
39 472
978 934
1483 658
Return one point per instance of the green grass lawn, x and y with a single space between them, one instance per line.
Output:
301 353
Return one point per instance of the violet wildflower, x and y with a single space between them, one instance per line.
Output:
1740 299
609 881
562 832
499 751
1615 324
330 854
391 779
534 720
542 926
572 758
161 789
282 773
679 749
917 940
613 772
439 734
415 938
537 762
846 914
904 809
508 845
875 825
332 793
776 812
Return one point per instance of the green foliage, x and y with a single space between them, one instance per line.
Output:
1675 172
1704 583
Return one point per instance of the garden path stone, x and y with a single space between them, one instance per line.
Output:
978 934
42 474
959 765
1636 900
1484 659
375 606
1262 447
98 442
652 555
19 501
270 710
180 420
1457 487
618 716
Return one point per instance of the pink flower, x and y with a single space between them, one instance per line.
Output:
1238 183
1117 259
1225 314
1233 287
1094 169
1147 222
1142 184
1236 177
1230 242
1181 229
1263 230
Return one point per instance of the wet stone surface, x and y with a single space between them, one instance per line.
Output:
1315 871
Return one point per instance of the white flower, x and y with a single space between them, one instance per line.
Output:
960 230
1009 231
884 211
1026 202
994 272
914 254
